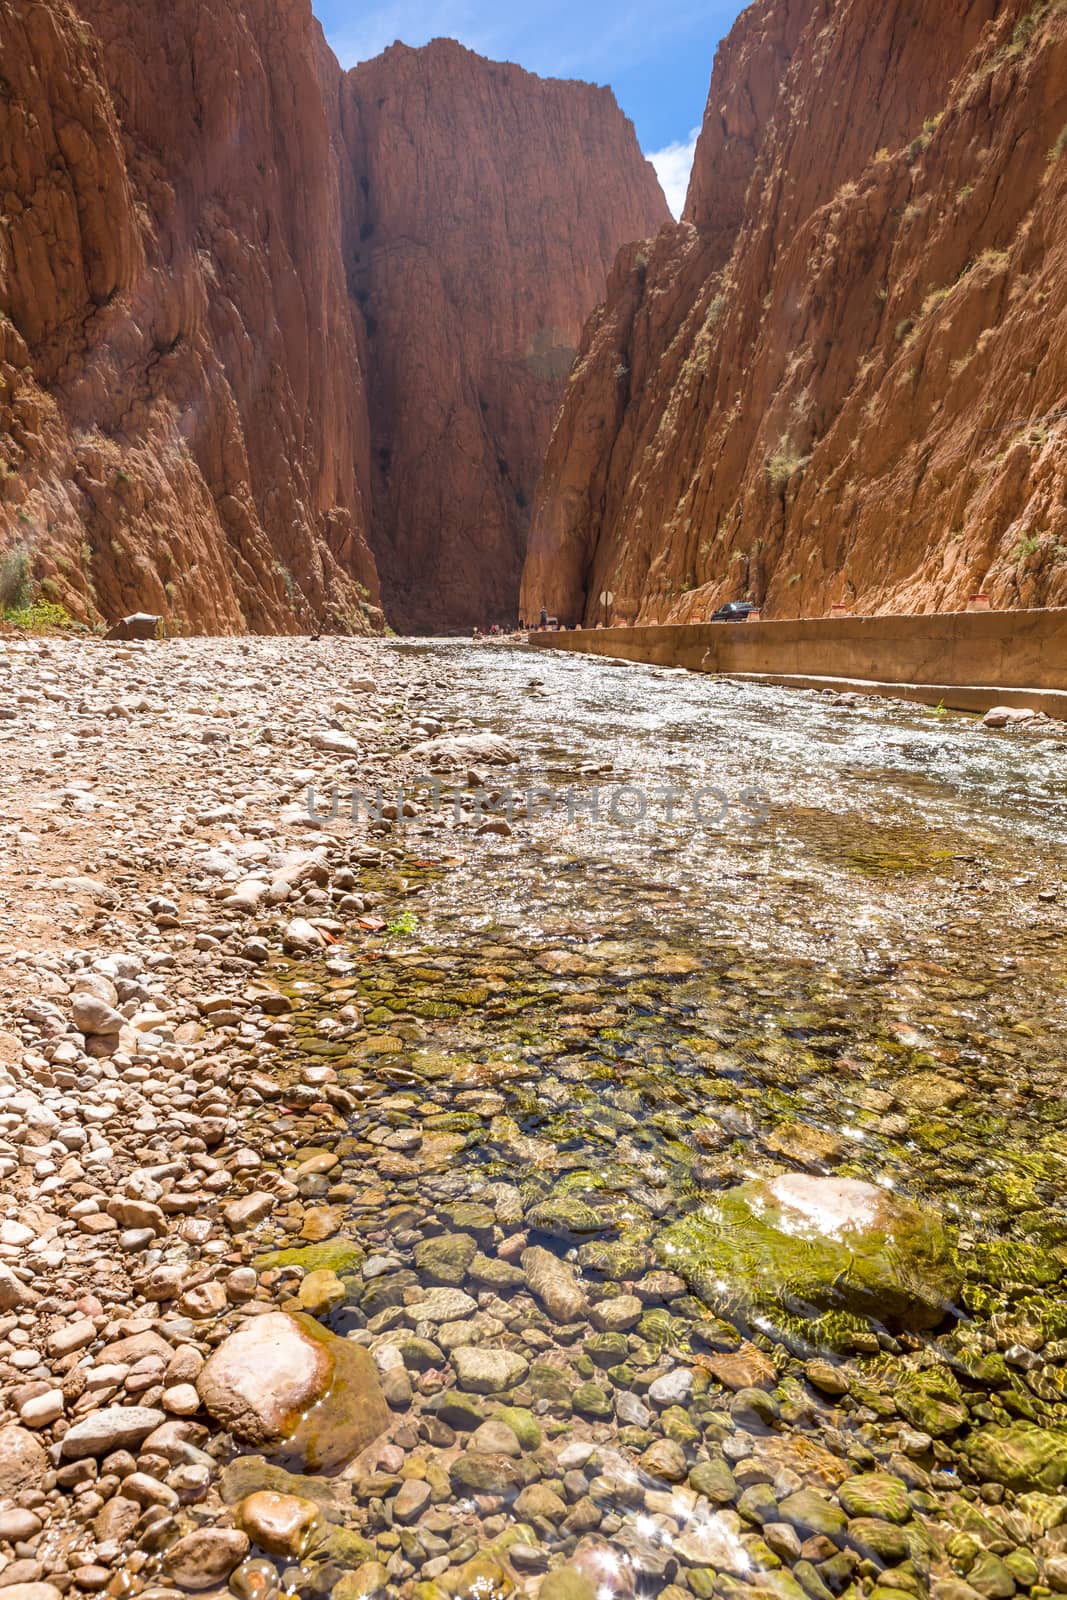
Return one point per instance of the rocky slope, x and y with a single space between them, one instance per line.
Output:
182 421
840 378
214 243
487 207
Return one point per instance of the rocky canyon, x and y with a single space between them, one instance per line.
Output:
486 210
840 379
267 327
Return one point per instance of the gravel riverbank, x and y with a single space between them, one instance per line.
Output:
338 1266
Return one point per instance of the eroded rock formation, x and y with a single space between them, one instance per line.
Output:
488 206
224 264
182 421
840 379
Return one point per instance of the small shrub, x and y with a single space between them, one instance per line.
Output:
1027 26
1027 546
15 580
934 299
1058 149
622 372
785 463
39 615
288 582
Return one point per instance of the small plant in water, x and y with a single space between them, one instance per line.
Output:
404 926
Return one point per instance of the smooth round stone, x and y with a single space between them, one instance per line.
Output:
281 1524
113 1428
665 1460
321 1292
1022 1457
487 1371
617 1315
567 1584
878 1540
810 1514
411 1501
555 1283
875 1494
205 1558
285 1379
478 1472
672 1389
496 1437
441 1305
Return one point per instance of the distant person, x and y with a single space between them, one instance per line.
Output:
544 618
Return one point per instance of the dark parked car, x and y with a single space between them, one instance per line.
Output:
735 611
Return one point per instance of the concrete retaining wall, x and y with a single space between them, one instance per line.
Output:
1014 657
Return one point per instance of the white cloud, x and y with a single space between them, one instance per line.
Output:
673 165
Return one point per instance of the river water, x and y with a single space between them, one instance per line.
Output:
833 947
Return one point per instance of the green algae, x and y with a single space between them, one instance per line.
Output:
746 1254
339 1255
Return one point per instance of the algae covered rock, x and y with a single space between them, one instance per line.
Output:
877 1495
1022 1457
283 1380
797 1246
339 1255
932 1401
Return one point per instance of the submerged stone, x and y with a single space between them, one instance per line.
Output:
568 1218
795 1245
342 1256
1023 1457
932 1401
875 1494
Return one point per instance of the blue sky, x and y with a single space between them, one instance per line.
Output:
657 58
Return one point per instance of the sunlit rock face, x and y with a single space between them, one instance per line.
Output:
839 379
183 428
485 208
258 315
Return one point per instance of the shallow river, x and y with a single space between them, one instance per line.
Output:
833 947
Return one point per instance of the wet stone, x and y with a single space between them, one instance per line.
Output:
875 1494
446 1258
488 1371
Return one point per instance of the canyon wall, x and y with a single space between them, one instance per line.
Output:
487 208
182 420
840 379
261 319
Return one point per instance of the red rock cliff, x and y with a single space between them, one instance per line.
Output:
841 378
487 207
182 420
225 266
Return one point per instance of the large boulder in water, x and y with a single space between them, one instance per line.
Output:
797 1247
286 1384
